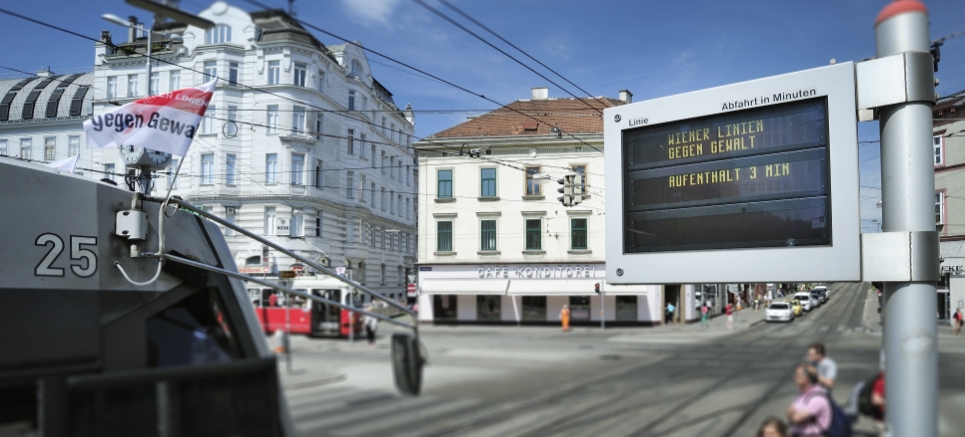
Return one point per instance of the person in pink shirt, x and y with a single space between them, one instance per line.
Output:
810 413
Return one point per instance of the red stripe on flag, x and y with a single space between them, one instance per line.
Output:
191 100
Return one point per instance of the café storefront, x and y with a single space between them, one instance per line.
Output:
532 294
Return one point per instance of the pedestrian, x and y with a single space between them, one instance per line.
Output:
371 326
565 318
959 321
878 402
703 315
810 413
773 427
827 368
730 315
670 309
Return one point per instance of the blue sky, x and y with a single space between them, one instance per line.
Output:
653 49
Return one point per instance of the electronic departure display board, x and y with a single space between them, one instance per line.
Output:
751 178
748 182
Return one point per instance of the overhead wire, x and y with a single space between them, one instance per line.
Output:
449 83
475 35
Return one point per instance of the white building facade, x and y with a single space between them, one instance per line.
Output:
42 116
496 246
299 143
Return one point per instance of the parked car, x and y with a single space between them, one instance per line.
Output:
816 295
795 306
825 292
805 299
779 312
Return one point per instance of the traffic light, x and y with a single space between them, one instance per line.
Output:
596 287
567 190
578 189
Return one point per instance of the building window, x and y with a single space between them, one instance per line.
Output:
444 307
297 225
399 275
351 100
207 169
270 220
109 171
578 233
937 142
488 182
300 73
73 146
3 147
271 168
626 307
532 185
361 187
231 130
392 167
112 87
320 81
372 195
274 72
939 207
385 161
445 184
488 307
382 275
398 206
26 145
155 83
444 235
174 82
298 120
392 202
534 308
362 145
271 120
487 234
318 173
580 307
356 68
373 156
207 123
318 224
50 148
349 182
172 173
230 169
210 70
362 272
533 234
218 34
233 73
132 85
319 125
351 141
373 231
407 209
298 169
383 200
230 218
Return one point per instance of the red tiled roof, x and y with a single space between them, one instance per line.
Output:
570 115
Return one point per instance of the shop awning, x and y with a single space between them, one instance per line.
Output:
464 286
572 287
547 287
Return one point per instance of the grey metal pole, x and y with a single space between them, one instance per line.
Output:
602 306
147 79
908 188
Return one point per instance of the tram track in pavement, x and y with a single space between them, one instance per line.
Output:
574 415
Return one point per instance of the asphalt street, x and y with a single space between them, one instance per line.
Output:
678 380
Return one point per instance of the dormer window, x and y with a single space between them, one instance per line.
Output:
218 34
356 68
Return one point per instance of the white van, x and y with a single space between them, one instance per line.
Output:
805 299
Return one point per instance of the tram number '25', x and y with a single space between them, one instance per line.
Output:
86 264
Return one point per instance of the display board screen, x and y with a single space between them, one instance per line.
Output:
755 178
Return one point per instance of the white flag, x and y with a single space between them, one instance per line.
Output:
165 122
65 165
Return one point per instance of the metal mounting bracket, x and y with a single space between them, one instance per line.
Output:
900 256
901 78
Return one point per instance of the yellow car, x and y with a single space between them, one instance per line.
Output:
795 306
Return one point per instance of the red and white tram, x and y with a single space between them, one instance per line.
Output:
310 318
